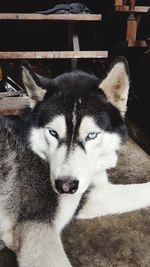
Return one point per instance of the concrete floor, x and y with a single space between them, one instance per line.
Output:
112 241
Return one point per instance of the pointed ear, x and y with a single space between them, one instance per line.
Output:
32 83
116 84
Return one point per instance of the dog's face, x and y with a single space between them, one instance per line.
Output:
77 124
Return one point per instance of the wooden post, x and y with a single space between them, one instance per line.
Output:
132 5
118 2
76 48
73 44
131 27
131 22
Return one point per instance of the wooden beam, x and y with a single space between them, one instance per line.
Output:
137 43
8 94
131 27
131 5
76 48
53 55
118 2
137 9
13 105
54 17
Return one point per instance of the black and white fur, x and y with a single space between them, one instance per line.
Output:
53 161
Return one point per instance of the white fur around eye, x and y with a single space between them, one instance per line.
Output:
53 133
51 140
58 124
91 136
88 126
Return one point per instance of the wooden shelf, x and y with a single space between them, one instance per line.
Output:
138 9
73 38
53 54
13 105
52 17
9 94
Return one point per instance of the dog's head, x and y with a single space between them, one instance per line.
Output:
77 123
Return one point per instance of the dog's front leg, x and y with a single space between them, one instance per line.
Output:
40 246
110 199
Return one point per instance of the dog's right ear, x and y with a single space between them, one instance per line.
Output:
33 84
116 84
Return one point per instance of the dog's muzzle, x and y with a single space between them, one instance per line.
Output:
66 185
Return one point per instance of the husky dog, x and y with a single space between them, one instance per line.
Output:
53 161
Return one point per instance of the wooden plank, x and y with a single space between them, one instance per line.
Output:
53 55
131 28
131 5
76 47
137 9
118 2
54 17
8 94
13 105
137 43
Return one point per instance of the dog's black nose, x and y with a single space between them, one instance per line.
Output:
68 186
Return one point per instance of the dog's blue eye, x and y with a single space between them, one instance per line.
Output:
53 133
91 136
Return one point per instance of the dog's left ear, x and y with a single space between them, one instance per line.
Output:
33 84
116 84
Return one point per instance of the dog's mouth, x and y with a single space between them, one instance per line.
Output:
66 186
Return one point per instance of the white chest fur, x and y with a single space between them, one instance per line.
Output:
66 209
